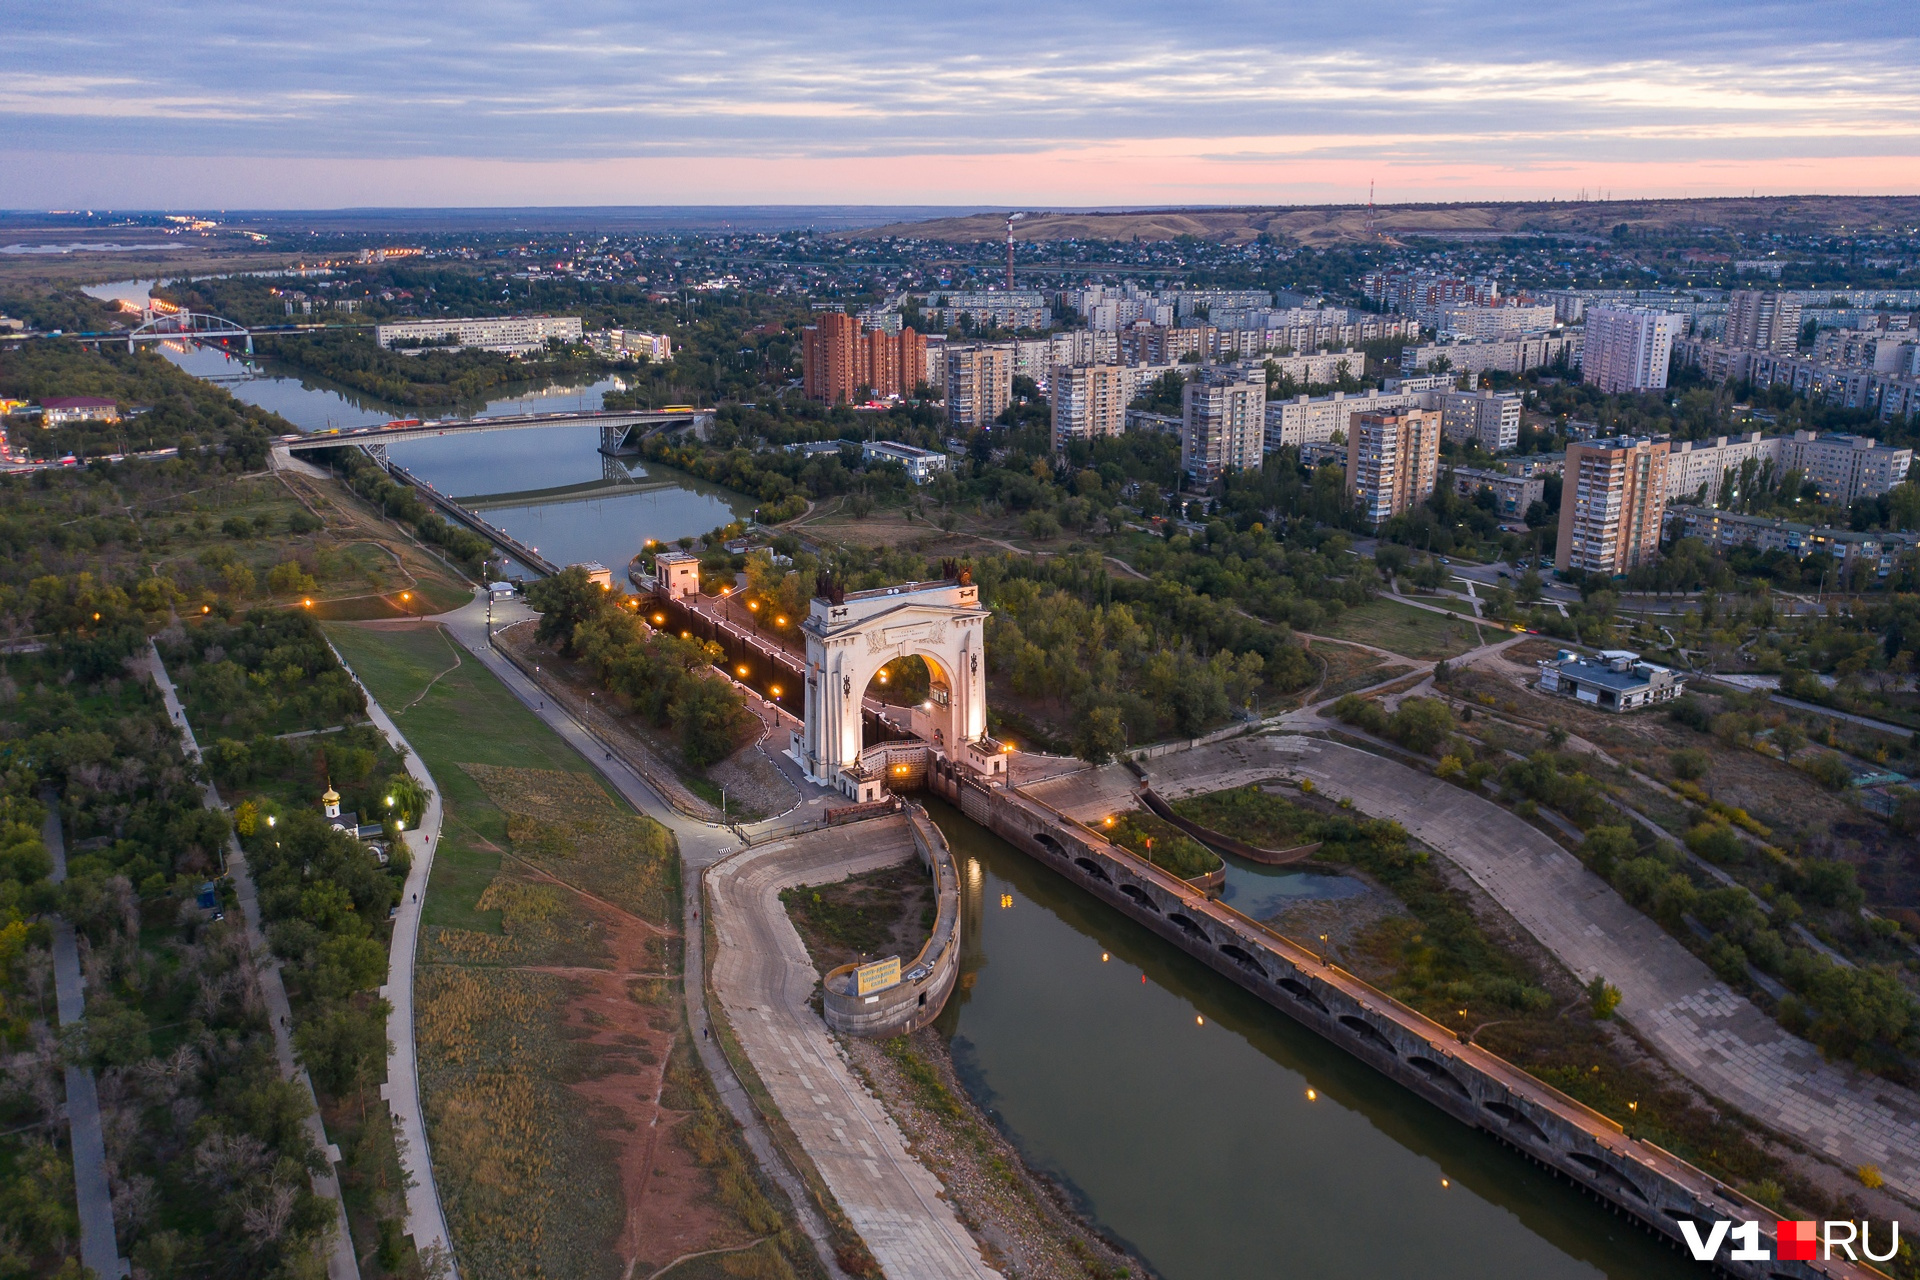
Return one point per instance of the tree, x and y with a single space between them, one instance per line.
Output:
344 1045
1602 998
404 800
1098 735
1421 724
564 601
705 714
1604 847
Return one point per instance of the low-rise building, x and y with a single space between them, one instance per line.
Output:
921 464
1512 494
58 411
1616 680
1725 530
617 343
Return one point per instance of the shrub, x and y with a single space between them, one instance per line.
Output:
1360 712
1421 724
1691 763
1716 842
1605 847
1827 769
1690 712
1602 998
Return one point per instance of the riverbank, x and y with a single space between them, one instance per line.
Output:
1023 1221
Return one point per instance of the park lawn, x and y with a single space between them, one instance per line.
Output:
1388 624
468 717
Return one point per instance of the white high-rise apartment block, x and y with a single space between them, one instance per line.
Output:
1393 461
1627 349
1490 419
1765 318
1089 401
1223 424
979 383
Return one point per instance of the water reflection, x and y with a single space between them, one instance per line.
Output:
1174 1108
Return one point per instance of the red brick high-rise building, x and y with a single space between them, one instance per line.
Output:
838 358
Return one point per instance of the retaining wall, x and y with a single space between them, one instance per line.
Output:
928 980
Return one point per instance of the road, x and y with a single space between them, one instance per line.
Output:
99 1251
1708 1032
766 980
702 844
341 1263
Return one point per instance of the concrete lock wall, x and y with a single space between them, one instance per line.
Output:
1474 1086
928 980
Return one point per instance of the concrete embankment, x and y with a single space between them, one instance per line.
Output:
927 980
1476 1087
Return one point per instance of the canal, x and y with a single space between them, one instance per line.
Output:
1206 1130
1214 1135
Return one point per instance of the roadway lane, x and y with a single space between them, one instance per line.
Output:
765 979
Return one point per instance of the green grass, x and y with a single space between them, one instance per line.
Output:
1388 624
467 717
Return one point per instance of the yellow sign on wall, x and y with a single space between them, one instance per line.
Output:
878 976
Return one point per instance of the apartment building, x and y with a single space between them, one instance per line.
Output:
1697 465
1089 401
1724 530
1393 461
1222 424
1846 467
1502 355
1422 294
1311 420
1613 504
1627 349
1319 367
617 343
1494 322
839 360
979 383
512 335
1764 318
1490 419
1890 351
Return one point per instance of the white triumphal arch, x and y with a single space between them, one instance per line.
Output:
850 636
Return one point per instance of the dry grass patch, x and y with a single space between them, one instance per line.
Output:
566 825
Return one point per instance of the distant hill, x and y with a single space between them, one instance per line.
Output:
1347 224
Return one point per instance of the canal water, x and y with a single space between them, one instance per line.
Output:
549 487
1176 1112
1172 1106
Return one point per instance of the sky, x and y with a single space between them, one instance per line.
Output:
351 103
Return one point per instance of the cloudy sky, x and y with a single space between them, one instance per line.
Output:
488 102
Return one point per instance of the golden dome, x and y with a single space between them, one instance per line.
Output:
332 797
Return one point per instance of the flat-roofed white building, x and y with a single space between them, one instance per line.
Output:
514 335
1489 418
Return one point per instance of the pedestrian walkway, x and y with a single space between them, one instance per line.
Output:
426 1218
99 1251
341 1263
765 980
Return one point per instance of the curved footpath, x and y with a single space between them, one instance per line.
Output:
341 1262
1707 1031
765 979
702 844
426 1220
